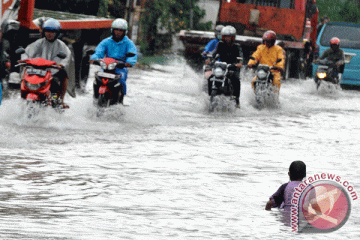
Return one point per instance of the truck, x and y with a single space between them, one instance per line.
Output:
294 21
79 31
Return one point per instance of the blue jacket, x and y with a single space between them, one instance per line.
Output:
211 45
117 50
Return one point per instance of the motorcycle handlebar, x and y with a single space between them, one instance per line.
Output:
120 64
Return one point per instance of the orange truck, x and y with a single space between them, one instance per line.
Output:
78 30
294 21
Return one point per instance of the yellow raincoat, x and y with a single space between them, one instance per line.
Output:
268 56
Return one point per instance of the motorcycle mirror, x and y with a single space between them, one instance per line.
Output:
20 51
130 54
61 55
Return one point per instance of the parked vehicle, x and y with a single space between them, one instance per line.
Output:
293 21
326 72
265 93
107 88
348 33
36 81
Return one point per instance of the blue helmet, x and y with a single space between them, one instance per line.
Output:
52 25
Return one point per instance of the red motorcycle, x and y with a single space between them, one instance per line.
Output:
107 88
36 81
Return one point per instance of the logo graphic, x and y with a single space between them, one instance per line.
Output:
324 206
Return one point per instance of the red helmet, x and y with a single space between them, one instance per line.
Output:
335 41
269 35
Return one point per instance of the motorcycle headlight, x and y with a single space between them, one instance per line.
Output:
261 74
321 75
112 66
35 86
218 72
103 65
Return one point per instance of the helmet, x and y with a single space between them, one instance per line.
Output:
10 25
269 36
120 24
218 29
52 25
335 41
39 22
228 31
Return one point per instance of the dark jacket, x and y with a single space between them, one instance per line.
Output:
228 54
335 56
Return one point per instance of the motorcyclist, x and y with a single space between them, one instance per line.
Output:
48 48
10 29
228 51
212 44
336 55
116 46
267 54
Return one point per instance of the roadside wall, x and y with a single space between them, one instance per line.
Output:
212 8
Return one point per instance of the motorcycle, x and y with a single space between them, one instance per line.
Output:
219 80
326 72
265 93
36 82
107 89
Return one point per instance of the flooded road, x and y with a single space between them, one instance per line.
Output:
164 167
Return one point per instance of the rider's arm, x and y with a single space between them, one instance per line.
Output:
210 46
99 51
131 48
62 47
342 59
239 55
33 50
256 55
213 53
324 55
280 55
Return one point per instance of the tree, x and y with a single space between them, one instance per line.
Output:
340 10
168 17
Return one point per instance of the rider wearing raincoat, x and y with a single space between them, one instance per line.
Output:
336 55
213 43
48 48
267 54
116 47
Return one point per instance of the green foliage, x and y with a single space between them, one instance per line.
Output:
164 18
340 10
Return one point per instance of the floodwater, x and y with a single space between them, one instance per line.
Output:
164 167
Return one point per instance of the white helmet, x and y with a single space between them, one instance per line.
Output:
228 31
120 24
218 29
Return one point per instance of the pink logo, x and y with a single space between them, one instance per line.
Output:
325 206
